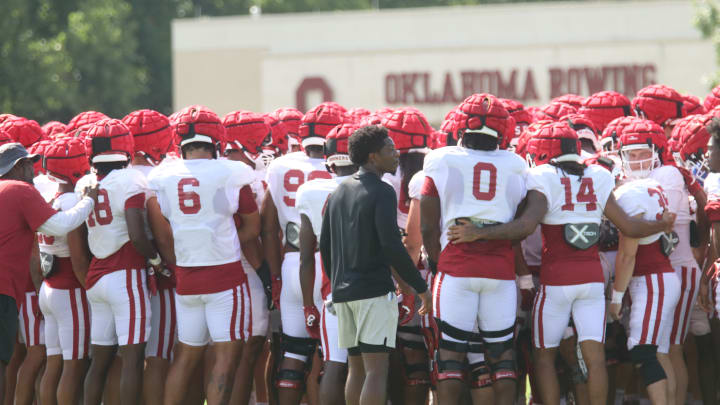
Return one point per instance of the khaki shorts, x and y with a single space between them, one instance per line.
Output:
372 321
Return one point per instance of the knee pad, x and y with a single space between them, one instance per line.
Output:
501 369
455 333
417 368
645 358
293 379
301 348
449 369
480 375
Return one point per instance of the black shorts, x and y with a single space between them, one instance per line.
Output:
8 327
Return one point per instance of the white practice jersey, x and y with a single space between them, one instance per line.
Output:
572 199
415 185
199 197
259 186
712 186
57 245
646 197
45 186
107 228
480 185
311 199
673 184
285 176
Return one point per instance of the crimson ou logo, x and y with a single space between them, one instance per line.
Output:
311 85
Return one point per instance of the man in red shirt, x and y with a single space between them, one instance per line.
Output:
24 213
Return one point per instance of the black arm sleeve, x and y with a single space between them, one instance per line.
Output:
325 246
390 241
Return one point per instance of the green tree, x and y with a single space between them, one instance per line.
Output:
707 20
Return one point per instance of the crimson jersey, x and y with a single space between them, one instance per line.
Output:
646 197
571 200
484 186
285 176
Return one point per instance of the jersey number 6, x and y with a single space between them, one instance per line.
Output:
189 200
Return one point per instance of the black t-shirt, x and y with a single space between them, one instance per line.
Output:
360 240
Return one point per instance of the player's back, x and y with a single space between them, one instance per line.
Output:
285 176
484 187
107 226
480 185
312 197
571 226
199 198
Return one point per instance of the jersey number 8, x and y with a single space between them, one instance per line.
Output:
102 213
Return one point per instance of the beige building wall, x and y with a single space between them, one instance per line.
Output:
433 57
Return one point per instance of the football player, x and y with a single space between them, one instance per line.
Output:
410 131
311 198
153 139
116 280
199 196
463 183
280 216
247 134
64 263
646 140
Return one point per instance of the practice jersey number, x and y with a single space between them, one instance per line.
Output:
294 178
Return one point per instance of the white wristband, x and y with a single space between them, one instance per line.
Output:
525 282
155 261
617 297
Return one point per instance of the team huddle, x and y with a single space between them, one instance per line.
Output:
585 228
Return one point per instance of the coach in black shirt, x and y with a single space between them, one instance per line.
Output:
359 242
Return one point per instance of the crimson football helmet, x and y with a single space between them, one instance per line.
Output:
318 122
357 114
638 135
24 131
485 114
54 127
110 140
336 144
285 123
152 132
572 99
611 134
712 100
85 118
584 128
408 128
556 111
553 142
200 124
247 131
38 148
522 117
605 106
4 137
658 103
65 160
690 145
692 105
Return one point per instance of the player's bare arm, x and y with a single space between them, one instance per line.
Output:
79 252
